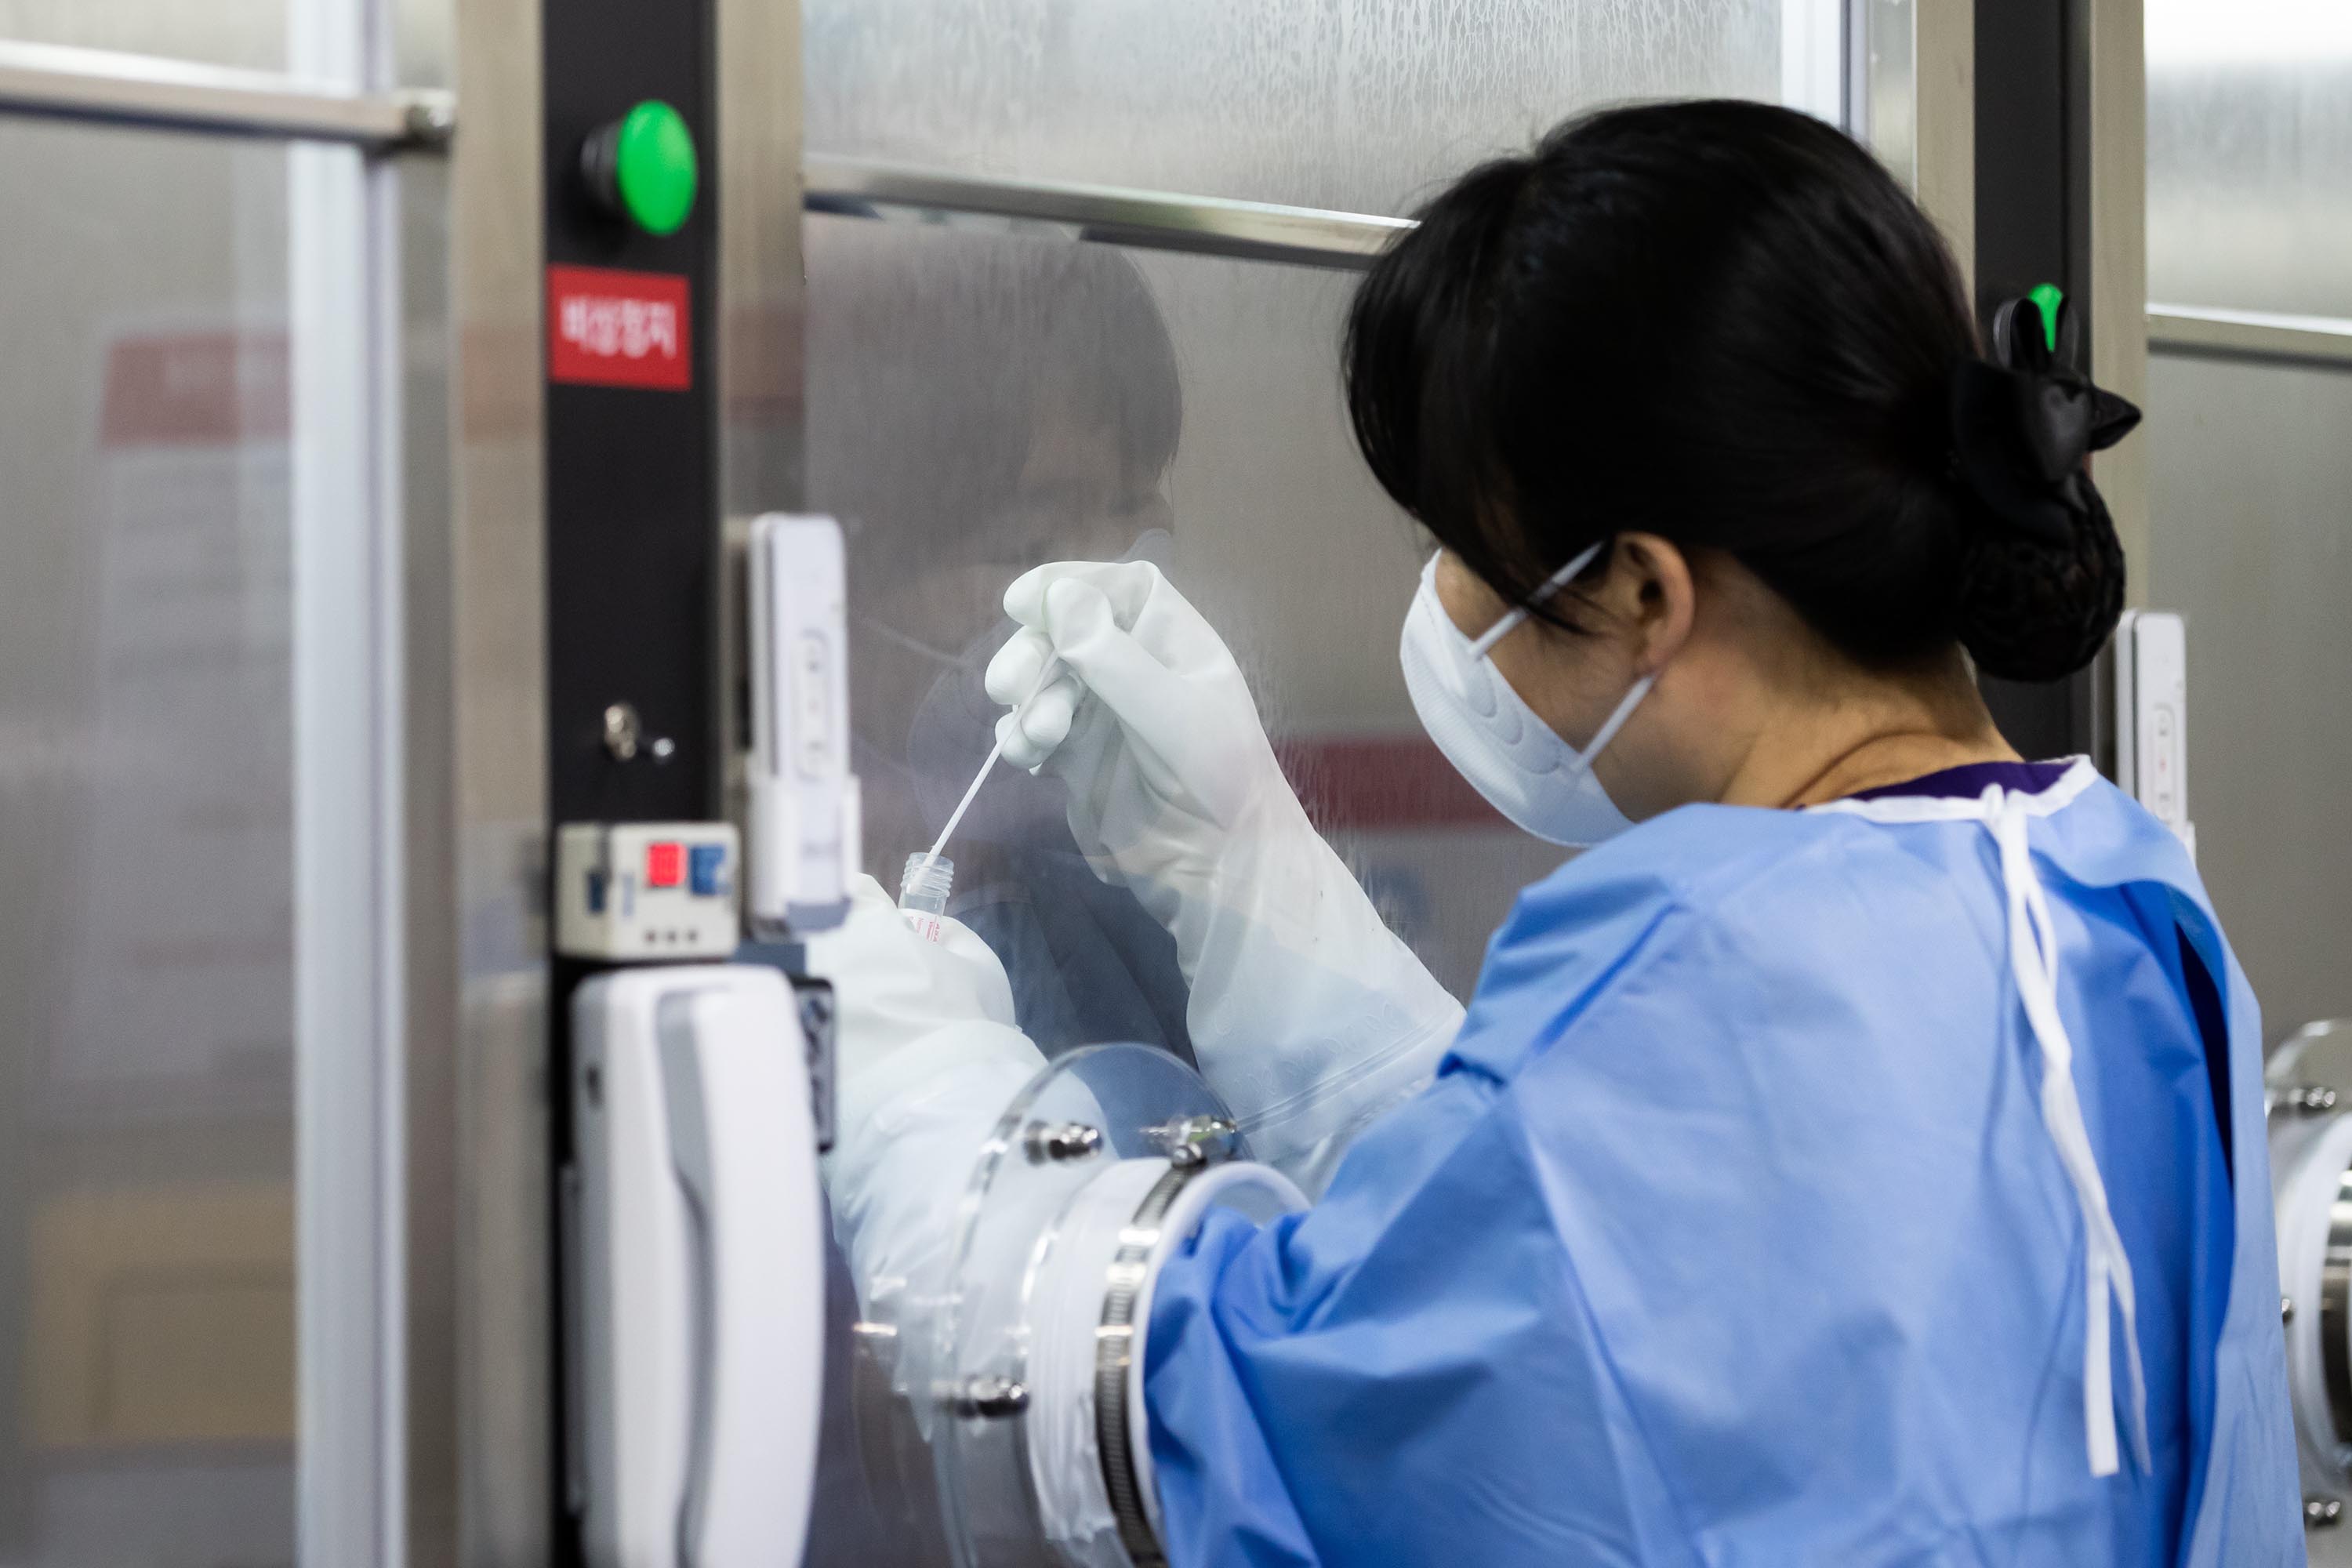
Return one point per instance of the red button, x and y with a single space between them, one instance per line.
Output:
665 865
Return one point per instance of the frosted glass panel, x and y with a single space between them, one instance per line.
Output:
2250 495
248 33
2250 155
147 1289
1354 104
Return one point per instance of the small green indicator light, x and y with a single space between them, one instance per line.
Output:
2047 297
655 171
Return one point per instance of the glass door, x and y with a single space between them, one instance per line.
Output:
198 800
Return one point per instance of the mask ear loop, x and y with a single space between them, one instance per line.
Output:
1518 613
1616 720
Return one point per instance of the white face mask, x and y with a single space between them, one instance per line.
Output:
1490 734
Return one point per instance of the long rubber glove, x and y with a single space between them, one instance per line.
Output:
926 1058
1307 1014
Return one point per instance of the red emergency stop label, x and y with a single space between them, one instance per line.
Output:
610 328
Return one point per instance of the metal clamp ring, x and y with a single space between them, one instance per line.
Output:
1114 1354
2336 1309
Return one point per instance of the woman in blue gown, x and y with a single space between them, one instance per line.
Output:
1856 1155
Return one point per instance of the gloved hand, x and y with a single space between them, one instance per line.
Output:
926 1058
1307 1014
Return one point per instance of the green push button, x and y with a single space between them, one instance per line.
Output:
642 167
655 166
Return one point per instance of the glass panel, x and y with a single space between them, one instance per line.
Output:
980 404
1280 103
146 1202
246 33
2249 472
2250 155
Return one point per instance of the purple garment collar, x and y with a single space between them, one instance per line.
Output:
1968 781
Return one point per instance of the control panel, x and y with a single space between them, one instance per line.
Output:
643 873
632 413
643 892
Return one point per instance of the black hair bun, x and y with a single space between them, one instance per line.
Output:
2042 575
2030 609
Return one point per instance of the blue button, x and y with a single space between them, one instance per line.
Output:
706 870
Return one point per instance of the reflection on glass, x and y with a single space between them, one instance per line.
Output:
991 405
1276 101
146 1205
983 404
980 405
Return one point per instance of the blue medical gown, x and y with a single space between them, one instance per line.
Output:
1730 1233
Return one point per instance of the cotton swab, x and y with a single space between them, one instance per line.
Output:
955 818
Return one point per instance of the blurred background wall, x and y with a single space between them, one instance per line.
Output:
2250 457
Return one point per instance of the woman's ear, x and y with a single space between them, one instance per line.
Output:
1651 590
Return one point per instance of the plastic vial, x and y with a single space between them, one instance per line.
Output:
923 892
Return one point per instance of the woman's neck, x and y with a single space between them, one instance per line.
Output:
1896 758
1876 731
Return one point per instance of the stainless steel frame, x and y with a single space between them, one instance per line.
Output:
478 1043
760 281
370 270
1149 220
761 313
2116 54
349 939
64 83
2323 340
428 1066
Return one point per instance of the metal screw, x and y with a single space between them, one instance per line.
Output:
428 119
2286 1309
1066 1141
621 732
2311 1099
1193 1140
988 1398
2321 1512
663 749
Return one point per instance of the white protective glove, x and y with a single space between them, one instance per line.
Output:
926 1058
1307 1014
